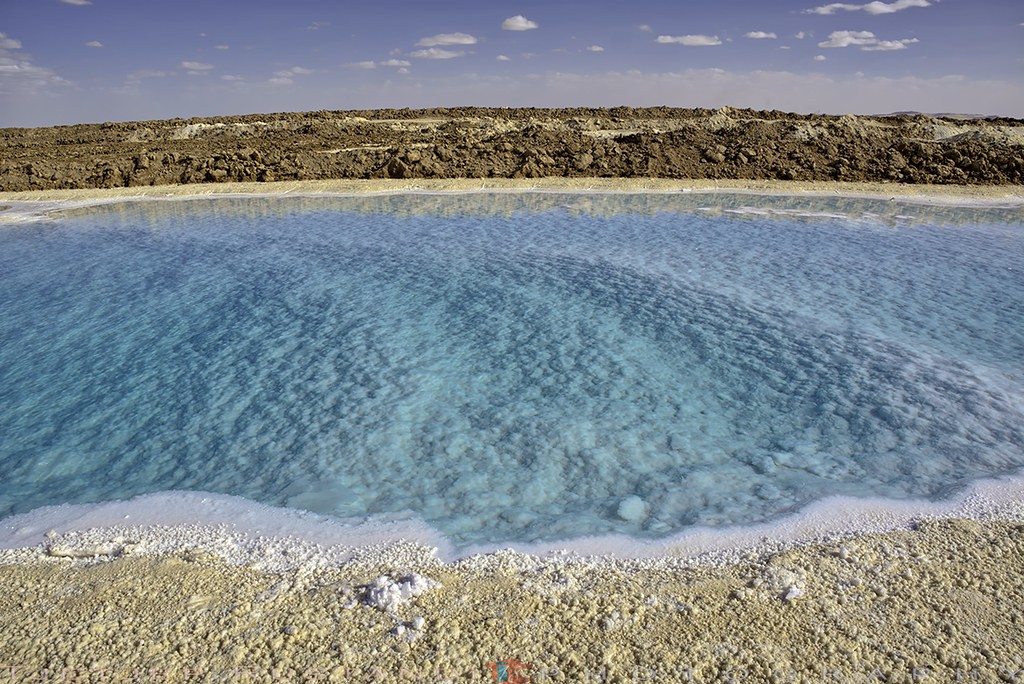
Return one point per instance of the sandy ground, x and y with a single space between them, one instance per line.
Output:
940 603
936 600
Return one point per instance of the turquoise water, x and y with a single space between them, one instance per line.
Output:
512 367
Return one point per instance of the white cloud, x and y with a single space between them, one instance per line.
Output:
229 77
840 39
760 34
886 45
280 81
220 47
196 66
595 48
94 44
645 28
317 25
19 75
294 71
875 7
800 36
503 58
403 70
77 2
865 40
819 58
519 23
373 65
692 41
436 53
447 39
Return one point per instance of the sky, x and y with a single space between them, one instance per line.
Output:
76 61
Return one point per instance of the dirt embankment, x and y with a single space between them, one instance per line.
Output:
515 143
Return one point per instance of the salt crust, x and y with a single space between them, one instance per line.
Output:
242 532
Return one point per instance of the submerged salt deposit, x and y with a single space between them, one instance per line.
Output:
519 368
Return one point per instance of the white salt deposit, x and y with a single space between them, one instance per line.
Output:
632 509
275 539
387 594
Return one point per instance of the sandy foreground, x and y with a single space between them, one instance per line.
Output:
931 597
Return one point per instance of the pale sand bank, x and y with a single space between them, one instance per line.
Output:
1002 194
933 600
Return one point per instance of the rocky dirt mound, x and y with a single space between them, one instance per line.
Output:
515 143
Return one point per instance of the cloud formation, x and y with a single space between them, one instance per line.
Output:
19 75
865 40
760 34
285 77
436 53
447 39
294 71
196 66
876 7
692 41
519 23
595 48
7 43
94 44
77 2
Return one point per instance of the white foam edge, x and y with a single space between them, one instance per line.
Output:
244 532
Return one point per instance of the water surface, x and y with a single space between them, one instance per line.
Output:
512 367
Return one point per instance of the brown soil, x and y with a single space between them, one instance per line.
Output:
516 143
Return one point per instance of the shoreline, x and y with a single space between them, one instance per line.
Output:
883 596
41 205
244 532
1013 194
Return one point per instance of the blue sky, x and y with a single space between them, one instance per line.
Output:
69 61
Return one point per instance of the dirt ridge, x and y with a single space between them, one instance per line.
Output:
470 142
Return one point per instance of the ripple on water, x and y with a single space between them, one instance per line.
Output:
542 373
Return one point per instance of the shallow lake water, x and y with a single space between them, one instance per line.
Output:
513 367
